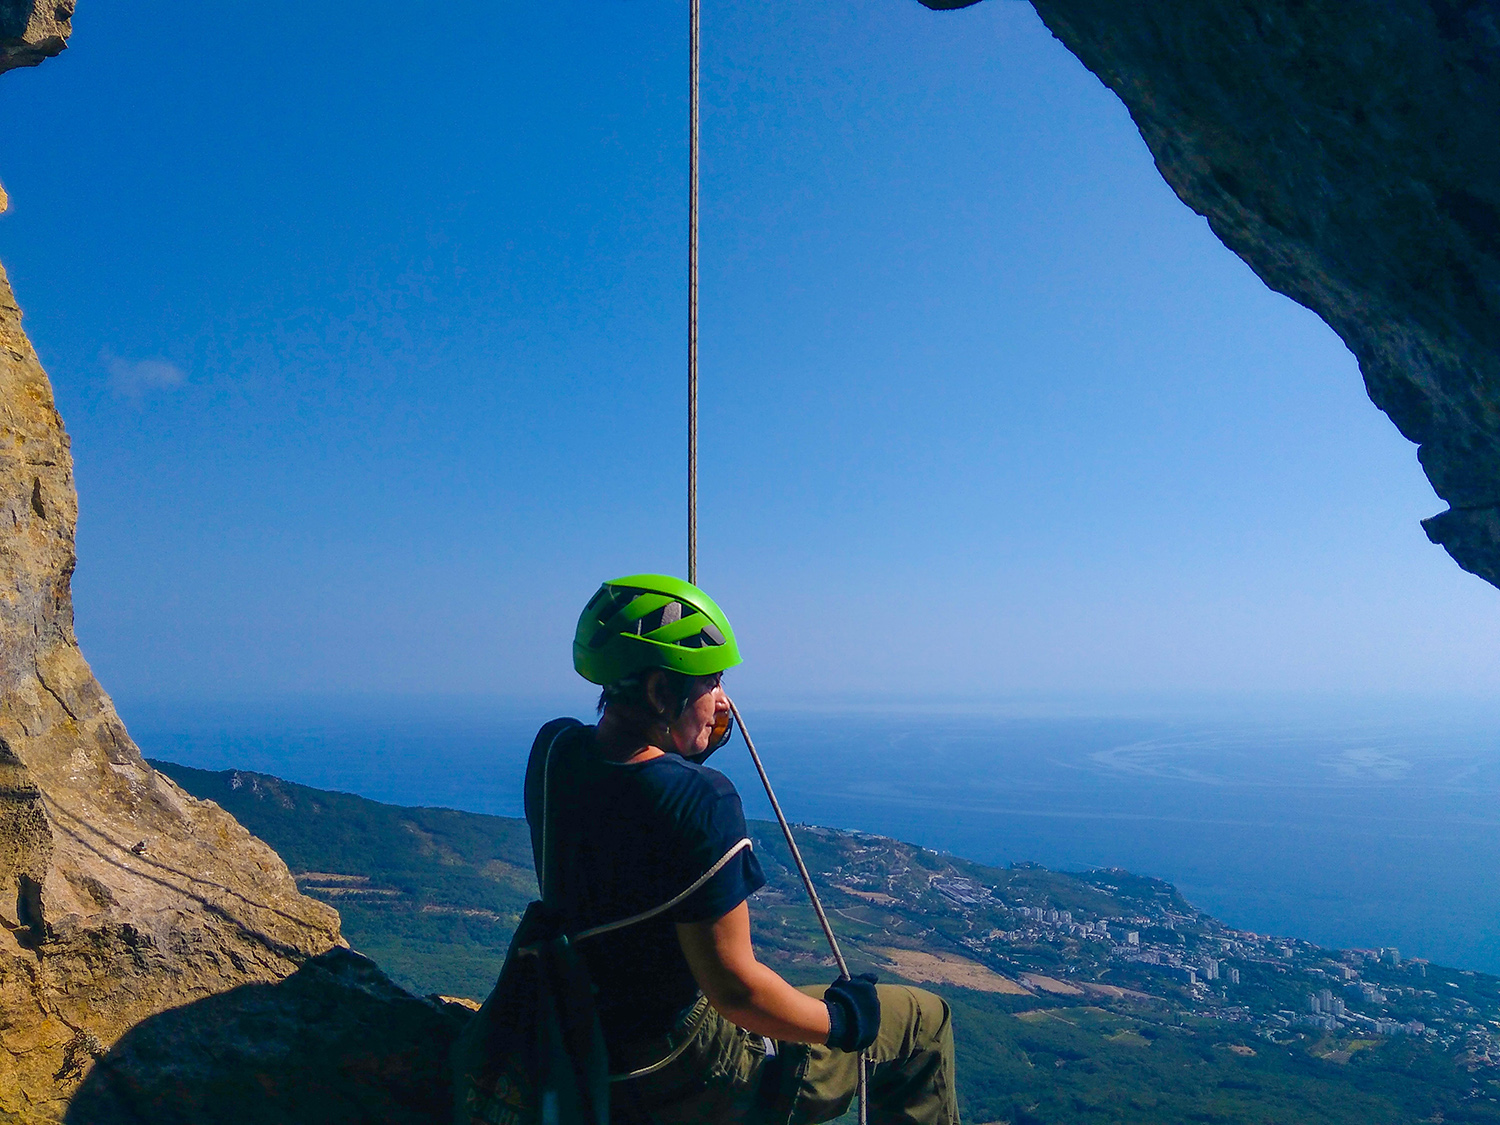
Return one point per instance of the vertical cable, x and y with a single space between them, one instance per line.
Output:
863 1079
791 842
692 529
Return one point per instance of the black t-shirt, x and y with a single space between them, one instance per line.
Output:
627 839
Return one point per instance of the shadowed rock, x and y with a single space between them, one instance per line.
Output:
334 1043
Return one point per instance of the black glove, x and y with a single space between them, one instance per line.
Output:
853 1013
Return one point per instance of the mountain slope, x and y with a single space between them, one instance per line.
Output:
1074 994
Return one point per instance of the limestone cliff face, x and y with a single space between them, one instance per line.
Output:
120 896
33 30
1349 152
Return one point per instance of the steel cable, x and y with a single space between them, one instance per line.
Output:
812 893
692 529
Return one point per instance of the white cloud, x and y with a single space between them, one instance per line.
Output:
137 377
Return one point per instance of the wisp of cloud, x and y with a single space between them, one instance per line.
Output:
136 377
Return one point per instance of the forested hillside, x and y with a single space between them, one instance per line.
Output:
1100 997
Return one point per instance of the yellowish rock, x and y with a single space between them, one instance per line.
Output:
120 895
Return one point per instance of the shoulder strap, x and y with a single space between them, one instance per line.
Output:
547 866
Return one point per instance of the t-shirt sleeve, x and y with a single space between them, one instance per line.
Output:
723 846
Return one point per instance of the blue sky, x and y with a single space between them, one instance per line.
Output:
369 332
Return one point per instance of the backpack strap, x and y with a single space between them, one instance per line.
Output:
547 865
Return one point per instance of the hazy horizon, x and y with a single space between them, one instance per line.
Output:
1355 829
579 697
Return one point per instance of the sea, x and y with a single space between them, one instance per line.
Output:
1373 824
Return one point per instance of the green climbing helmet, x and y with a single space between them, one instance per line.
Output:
651 621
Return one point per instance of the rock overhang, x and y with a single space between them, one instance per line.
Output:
1349 152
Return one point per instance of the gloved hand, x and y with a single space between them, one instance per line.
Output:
853 1013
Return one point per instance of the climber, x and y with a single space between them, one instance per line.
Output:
650 865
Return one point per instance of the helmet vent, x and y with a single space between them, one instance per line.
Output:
710 637
668 614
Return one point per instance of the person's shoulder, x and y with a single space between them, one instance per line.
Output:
564 729
704 780
552 729
701 802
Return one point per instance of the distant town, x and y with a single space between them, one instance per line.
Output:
1134 940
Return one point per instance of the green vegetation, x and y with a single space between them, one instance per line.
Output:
1079 1063
431 895
1060 1018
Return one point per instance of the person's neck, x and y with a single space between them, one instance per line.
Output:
624 746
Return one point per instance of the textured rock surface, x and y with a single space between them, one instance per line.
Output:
1349 152
335 1043
33 30
120 896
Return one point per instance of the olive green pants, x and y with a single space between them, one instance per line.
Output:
724 1075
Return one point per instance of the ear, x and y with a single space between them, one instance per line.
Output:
658 695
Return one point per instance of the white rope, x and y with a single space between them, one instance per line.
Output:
671 1057
664 907
659 1064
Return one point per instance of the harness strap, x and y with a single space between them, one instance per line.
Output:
664 907
687 1037
546 864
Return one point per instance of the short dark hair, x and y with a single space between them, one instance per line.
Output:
630 696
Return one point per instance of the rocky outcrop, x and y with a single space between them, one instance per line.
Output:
1349 152
33 30
120 895
334 1044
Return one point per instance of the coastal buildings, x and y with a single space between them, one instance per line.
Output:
1109 937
